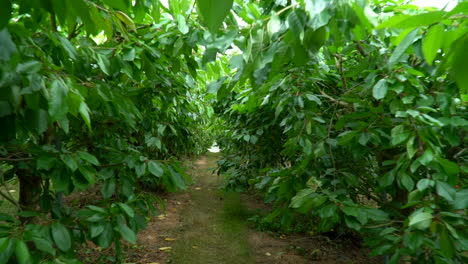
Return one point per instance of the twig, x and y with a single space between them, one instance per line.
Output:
339 63
53 22
75 31
282 11
18 159
333 99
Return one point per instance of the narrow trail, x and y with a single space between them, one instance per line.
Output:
204 225
213 228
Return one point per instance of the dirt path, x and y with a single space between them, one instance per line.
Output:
205 225
212 228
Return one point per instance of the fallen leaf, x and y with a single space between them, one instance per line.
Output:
170 239
268 254
162 216
165 248
194 246
198 188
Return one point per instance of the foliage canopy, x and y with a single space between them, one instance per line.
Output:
348 113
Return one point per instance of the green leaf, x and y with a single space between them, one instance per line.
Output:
461 200
29 67
125 19
155 168
28 213
103 63
127 209
432 42
319 13
410 149
273 25
213 12
381 250
70 161
423 184
297 21
88 173
301 197
407 182
45 162
398 134
126 233
460 67
140 169
413 240
177 179
356 212
96 229
327 211
8 46
402 47
61 236
446 244
412 21
380 89
7 246
44 245
129 55
445 190
155 12
106 237
387 179
118 4
450 168
427 157
88 157
58 107
182 25
68 47
84 113
22 253
420 220
108 188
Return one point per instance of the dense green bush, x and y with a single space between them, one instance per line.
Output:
93 95
354 115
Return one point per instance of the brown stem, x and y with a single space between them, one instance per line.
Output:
15 159
53 22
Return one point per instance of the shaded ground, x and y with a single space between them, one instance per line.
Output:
204 225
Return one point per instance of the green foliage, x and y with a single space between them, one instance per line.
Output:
94 95
214 12
353 115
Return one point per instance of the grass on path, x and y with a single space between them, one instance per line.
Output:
214 228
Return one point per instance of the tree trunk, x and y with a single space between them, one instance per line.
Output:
30 190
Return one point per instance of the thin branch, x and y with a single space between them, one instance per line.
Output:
8 198
333 99
53 22
17 159
360 49
282 11
111 165
339 64
75 31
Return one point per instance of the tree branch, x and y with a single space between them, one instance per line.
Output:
53 22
